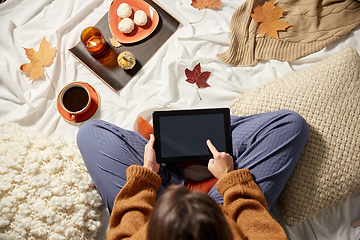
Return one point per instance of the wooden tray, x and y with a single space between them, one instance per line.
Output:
106 67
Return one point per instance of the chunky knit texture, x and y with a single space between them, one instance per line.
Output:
46 191
327 95
244 206
314 25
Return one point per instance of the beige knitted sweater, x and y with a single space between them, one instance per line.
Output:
245 206
314 25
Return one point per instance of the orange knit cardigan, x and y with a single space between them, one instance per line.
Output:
244 206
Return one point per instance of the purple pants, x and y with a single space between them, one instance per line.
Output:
269 144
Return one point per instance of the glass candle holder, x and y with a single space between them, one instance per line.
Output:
93 41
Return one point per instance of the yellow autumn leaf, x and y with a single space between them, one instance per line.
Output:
268 16
114 42
38 59
210 4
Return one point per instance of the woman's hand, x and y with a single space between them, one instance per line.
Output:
150 156
221 163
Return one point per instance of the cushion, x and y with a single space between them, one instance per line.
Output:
327 95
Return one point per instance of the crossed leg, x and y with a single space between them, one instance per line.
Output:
269 144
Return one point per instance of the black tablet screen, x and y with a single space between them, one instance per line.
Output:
183 137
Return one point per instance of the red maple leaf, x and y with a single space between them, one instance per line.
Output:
198 77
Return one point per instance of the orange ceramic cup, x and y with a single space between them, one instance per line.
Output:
93 41
75 99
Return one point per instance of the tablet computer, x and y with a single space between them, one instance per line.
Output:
180 135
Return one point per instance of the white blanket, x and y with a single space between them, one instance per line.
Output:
160 84
46 191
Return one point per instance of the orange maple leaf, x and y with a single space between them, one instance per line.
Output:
38 59
201 4
268 16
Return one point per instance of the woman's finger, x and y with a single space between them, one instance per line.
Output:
150 143
152 139
212 148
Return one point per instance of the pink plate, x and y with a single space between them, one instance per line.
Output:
139 32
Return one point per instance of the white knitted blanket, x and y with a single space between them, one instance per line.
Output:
45 189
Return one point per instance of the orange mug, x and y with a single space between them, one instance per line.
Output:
75 99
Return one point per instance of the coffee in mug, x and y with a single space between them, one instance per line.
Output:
75 99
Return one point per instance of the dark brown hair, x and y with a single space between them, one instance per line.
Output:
183 215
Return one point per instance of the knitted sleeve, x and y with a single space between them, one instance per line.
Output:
133 204
245 204
314 25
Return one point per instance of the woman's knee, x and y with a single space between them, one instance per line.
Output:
297 123
87 130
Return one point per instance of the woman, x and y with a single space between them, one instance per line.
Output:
182 214
266 148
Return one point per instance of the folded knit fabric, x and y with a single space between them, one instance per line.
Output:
314 25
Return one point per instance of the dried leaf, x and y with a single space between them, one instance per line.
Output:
210 4
268 16
38 59
115 42
198 77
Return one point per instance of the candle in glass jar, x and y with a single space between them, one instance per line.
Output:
94 41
